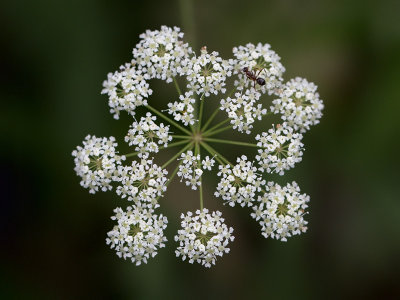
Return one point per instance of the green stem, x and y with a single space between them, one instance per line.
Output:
174 144
213 154
178 89
172 177
201 195
131 154
160 114
181 137
217 126
201 111
201 180
177 155
230 142
217 155
217 131
210 119
231 92
214 114
187 18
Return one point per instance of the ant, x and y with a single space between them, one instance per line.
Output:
253 76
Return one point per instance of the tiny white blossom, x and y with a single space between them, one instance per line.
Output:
203 237
138 234
208 163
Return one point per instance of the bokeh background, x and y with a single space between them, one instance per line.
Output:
54 57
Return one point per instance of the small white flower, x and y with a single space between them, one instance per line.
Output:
203 237
208 163
138 234
96 162
190 169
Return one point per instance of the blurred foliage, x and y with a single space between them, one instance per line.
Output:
55 55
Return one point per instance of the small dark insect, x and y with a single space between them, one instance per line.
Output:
254 76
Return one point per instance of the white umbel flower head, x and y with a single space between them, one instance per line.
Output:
191 168
207 73
243 110
203 237
138 234
143 182
299 104
160 53
96 162
263 62
126 89
240 183
183 109
146 135
281 149
280 211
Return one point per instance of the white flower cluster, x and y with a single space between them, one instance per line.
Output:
203 237
263 62
96 162
142 182
207 73
146 135
138 234
239 184
183 110
299 104
127 89
191 169
280 149
280 211
242 110
160 53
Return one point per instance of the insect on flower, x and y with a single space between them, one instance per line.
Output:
254 76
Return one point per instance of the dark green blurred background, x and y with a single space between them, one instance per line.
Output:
54 57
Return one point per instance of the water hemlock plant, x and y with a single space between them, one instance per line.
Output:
257 90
